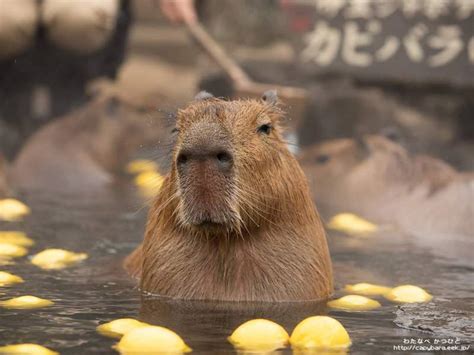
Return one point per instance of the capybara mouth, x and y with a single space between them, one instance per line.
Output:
208 211
207 201
201 217
210 227
209 224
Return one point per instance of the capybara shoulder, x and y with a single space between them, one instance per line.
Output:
84 149
234 218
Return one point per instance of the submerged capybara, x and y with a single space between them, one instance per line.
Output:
378 179
86 148
234 219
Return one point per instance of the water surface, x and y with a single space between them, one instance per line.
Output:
108 226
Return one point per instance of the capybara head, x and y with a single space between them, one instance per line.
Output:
234 218
229 161
329 161
335 165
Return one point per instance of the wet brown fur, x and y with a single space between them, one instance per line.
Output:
274 247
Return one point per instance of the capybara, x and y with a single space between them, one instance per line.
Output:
234 219
378 179
86 148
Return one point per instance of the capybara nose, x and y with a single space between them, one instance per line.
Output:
221 158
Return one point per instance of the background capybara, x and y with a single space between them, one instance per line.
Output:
86 148
380 180
234 218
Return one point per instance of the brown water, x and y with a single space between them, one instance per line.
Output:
108 226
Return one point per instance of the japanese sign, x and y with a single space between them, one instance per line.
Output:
405 40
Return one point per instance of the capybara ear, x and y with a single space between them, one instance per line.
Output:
270 96
203 95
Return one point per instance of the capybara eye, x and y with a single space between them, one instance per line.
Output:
393 136
391 133
265 129
175 130
322 158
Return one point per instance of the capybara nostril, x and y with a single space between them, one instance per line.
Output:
225 160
